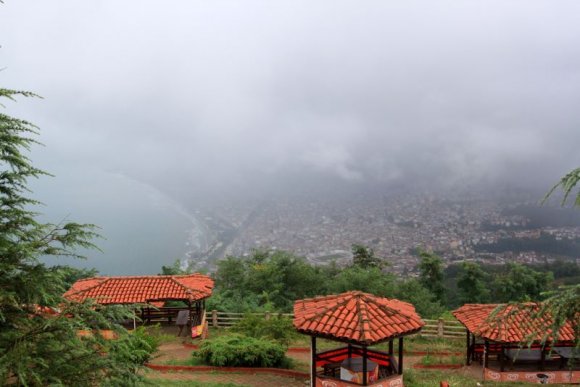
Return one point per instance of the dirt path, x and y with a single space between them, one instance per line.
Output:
171 351
254 380
177 352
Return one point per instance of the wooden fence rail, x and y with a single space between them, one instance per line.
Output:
432 328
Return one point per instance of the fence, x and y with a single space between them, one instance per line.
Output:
443 328
432 328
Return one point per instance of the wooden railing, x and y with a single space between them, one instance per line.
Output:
226 319
432 328
443 328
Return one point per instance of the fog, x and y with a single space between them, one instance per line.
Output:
189 103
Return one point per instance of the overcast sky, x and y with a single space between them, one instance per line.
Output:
222 95
151 107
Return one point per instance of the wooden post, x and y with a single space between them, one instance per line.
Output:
267 316
190 317
214 320
542 359
486 354
502 359
468 360
440 327
313 360
400 356
364 357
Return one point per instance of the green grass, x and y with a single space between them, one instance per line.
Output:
438 360
430 378
433 344
191 361
410 343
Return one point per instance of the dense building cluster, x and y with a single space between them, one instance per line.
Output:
395 227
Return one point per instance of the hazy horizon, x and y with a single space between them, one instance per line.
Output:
192 104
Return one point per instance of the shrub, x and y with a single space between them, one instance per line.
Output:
277 328
236 350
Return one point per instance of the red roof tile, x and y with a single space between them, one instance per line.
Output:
356 317
509 323
131 290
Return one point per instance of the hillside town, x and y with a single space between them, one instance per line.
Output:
323 230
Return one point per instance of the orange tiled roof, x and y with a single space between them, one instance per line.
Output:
510 324
356 317
131 290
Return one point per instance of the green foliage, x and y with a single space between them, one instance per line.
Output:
175 269
425 302
266 281
364 257
69 275
127 354
567 184
431 274
276 328
36 348
370 280
562 305
472 284
236 350
520 283
439 359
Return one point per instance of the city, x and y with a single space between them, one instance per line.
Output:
322 230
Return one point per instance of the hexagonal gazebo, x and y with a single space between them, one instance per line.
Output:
360 320
513 344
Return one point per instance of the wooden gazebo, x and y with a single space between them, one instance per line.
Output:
502 336
150 292
360 320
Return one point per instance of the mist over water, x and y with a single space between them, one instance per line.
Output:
142 228
171 112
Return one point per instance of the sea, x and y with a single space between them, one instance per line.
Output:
141 228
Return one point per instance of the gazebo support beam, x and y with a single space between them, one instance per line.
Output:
400 356
364 356
486 352
468 355
502 358
190 318
313 361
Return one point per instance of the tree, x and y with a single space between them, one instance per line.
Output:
472 284
38 347
567 183
431 274
175 269
520 283
270 280
563 304
70 275
425 302
365 258
371 280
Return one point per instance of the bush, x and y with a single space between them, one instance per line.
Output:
133 348
277 328
237 350
145 340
